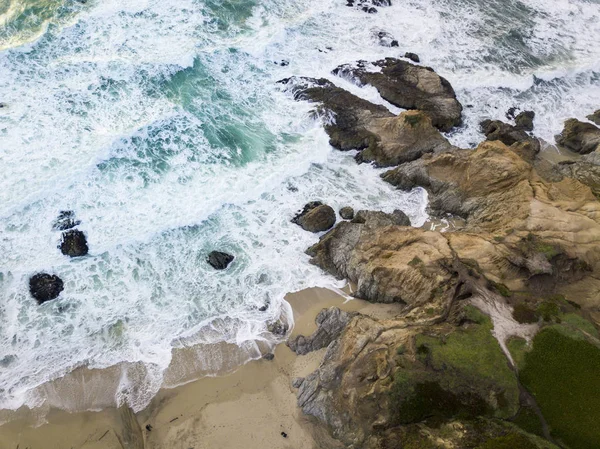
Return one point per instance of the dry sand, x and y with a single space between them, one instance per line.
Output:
247 409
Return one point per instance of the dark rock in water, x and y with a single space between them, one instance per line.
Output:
524 120
382 2
377 219
282 63
410 86
315 217
219 260
347 213
45 287
65 220
74 243
386 39
512 113
369 9
595 117
278 328
581 137
412 56
270 356
330 324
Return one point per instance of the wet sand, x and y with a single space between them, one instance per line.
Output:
254 407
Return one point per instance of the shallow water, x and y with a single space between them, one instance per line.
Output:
161 125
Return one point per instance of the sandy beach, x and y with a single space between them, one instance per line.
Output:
253 407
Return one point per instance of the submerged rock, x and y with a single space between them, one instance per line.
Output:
315 217
386 39
45 287
580 137
410 86
330 323
219 260
74 243
347 213
65 220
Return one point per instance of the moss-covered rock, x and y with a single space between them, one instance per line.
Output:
562 374
460 374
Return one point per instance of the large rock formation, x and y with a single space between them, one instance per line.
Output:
442 374
410 86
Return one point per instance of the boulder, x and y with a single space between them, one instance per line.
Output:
45 287
409 86
315 217
74 243
347 213
219 260
65 220
524 120
412 56
580 137
505 133
595 117
330 324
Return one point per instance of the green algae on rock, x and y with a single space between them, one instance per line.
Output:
562 375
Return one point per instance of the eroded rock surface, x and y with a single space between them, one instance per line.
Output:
315 217
330 324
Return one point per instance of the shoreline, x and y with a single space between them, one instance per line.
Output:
247 408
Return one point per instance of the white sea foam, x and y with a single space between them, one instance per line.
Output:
161 125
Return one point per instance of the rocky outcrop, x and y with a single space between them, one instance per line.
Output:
514 136
579 137
45 287
330 324
595 117
348 117
385 39
410 86
403 139
74 243
378 219
315 217
524 120
219 260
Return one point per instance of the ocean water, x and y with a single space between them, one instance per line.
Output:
161 125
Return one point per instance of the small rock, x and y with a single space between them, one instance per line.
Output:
270 356
412 56
219 260
347 213
45 287
284 435
394 43
148 427
65 220
315 217
369 9
278 328
74 243
524 120
512 113
386 39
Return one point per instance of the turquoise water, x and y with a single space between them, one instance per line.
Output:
162 126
